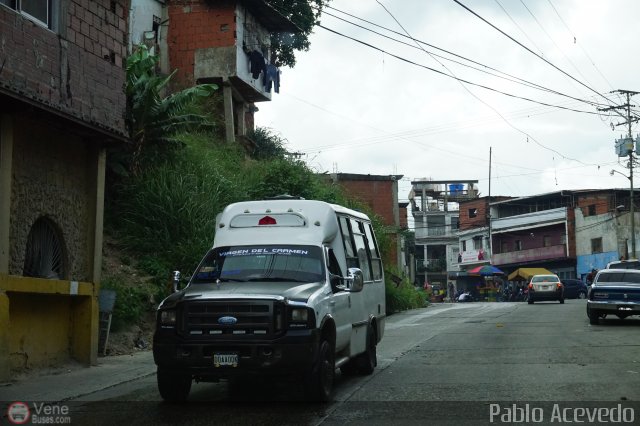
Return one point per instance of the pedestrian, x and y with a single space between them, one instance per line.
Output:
451 291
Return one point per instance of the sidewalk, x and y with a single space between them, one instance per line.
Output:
109 372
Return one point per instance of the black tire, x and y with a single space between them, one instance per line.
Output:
368 360
350 368
319 381
594 317
173 387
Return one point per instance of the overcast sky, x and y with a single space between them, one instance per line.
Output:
353 109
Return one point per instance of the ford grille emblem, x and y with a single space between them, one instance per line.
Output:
227 320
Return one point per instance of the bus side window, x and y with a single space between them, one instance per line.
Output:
349 250
335 274
357 229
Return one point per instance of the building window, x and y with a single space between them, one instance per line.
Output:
591 210
43 12
504 247
455 223
596 245
477 243
464 245
546 241
518 245
473 213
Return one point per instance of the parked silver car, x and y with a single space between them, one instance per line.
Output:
545 287
614 292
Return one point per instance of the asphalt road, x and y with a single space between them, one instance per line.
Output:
447 364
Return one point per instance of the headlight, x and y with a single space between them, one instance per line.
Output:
299 315
168 317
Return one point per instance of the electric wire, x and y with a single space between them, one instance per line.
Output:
505 76
529 50
579 44
481 100
554 43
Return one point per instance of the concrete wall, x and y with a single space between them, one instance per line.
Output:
53 176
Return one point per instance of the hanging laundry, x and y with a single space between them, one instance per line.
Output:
256 64
272 77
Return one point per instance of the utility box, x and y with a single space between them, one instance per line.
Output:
624 147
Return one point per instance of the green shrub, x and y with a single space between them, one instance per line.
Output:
402 295
131 302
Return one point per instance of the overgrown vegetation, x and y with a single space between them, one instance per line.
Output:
162 213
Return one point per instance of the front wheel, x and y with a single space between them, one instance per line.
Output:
319 381
173 387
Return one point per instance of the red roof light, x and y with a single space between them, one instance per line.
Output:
267 220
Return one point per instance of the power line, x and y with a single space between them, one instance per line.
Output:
529 50
511 77
482 101
454 77
575 40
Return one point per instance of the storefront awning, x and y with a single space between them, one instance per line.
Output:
527 273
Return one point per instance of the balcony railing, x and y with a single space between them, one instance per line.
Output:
535 254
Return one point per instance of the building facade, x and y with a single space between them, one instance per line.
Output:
226 42
62 103
435 210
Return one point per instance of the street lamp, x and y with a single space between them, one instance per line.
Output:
631 209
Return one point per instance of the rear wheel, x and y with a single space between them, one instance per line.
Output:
173 387
594 316
368 360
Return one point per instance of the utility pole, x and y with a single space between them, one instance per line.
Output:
629 121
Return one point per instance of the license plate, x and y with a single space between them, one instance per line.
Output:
225 360
546 287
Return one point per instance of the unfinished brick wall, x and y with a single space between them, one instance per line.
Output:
480 207
196 25
77 70
377 194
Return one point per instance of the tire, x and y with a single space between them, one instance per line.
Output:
319 381
368 360
350 368
173 387
594 317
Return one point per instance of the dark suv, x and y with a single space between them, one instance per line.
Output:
574 289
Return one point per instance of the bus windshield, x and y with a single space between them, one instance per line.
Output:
277 263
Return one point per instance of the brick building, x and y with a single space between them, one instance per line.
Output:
61 104
226 42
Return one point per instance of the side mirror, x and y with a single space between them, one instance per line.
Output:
355 280
176 280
